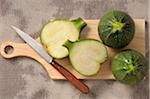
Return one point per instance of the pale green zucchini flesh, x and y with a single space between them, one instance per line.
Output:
86 56
57 32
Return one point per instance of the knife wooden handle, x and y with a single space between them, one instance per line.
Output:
70 77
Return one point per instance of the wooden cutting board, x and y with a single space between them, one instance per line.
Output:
20 49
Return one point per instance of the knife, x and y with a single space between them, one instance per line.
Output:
41 51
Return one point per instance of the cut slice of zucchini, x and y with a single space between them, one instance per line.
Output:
86 55
55 33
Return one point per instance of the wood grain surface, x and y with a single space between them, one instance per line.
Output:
138 43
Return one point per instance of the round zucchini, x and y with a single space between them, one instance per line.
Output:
116 29
86 56
129 67
55 33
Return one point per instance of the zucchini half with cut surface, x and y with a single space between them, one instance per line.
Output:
86 55
55 33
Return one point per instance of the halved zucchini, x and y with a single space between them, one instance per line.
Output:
55 33
86 55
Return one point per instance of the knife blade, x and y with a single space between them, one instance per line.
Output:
34 44
42 52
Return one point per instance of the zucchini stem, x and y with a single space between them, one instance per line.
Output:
117 26
130 68
68 44
79 23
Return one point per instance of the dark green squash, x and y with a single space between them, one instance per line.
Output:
129 67
116 29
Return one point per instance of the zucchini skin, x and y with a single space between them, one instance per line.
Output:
129 67
110 35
